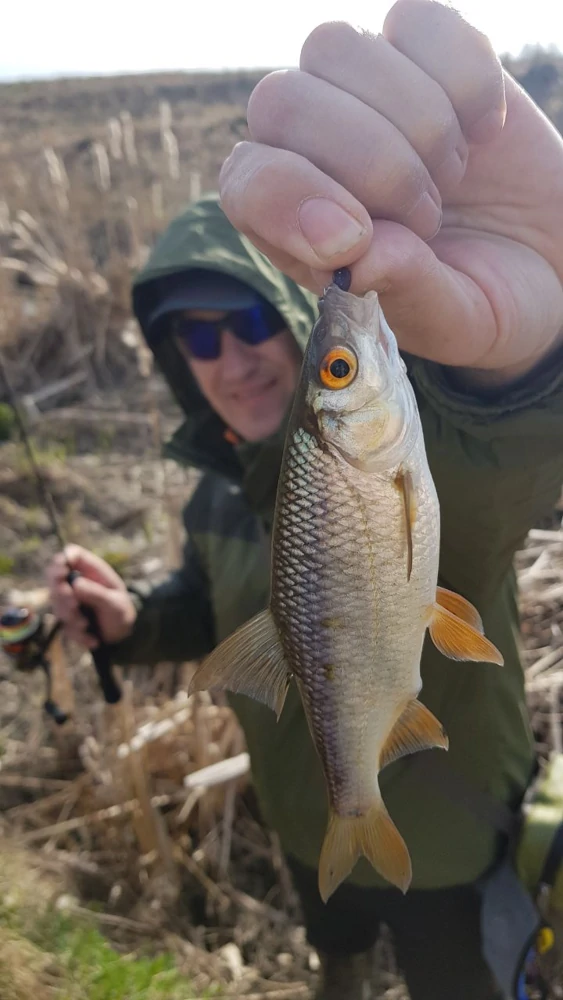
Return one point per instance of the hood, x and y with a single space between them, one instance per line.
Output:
203 237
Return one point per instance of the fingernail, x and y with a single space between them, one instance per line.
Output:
451 170
328 228
426 217
487 127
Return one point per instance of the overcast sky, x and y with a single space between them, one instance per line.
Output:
64 37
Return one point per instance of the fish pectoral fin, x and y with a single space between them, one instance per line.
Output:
250 661
373 835
459 640
460 608
404 483
415 729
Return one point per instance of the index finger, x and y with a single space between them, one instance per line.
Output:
286 202
57 570
93 567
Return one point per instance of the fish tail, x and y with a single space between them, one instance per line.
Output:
374 835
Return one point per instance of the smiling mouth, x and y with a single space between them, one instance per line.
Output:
250 393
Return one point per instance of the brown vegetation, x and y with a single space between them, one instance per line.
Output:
91 171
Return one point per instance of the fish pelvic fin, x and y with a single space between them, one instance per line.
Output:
460 608
250 661
415 729
373 835
457 631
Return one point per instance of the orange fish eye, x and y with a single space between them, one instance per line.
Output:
338 368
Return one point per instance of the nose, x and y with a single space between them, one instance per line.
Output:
238 359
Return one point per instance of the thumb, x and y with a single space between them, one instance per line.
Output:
435 311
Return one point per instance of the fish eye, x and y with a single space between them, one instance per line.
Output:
338 368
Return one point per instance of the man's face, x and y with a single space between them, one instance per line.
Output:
250 386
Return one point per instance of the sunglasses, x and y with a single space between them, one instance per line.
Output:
253 326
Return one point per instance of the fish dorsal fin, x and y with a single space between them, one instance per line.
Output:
405 484
416 729
459 640
460 608
250 661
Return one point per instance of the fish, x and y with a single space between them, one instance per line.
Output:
354 583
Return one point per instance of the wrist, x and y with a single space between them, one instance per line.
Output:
492 381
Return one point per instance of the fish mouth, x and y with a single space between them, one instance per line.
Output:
310 423
318 409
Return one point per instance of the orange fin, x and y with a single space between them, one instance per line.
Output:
404 482
460 608
416 729
460 641
250 661
373 835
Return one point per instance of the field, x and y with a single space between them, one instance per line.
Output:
119 875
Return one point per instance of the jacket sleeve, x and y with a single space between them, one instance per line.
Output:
498 468
174 620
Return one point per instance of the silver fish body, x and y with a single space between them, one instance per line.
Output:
352 623
355 553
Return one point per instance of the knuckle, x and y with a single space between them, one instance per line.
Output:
488 92
327 41
407 192
400 17
253 177
274 104
483 48
234 175
394 186
440 132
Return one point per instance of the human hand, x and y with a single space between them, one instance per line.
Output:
98 586
448 183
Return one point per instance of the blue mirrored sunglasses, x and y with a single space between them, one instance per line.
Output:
203 337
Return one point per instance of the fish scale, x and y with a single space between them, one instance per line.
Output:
355 553
333 624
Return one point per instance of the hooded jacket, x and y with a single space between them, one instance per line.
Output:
498 467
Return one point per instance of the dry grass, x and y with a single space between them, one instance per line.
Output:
90 172
82 198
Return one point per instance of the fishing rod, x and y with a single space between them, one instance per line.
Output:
23 635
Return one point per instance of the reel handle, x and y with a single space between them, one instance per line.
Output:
102 660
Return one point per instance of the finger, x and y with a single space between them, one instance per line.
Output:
91 566
92 594
81 637
410 279
57 570
64 602
291 205
457 56
382 78
295 111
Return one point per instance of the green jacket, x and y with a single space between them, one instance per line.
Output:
498 467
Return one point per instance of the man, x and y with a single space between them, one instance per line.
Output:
410 159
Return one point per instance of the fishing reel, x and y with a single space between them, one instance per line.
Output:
25 639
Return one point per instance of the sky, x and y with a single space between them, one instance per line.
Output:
46 38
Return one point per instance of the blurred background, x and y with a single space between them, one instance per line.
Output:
121 875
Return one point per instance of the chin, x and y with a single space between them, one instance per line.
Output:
257 429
